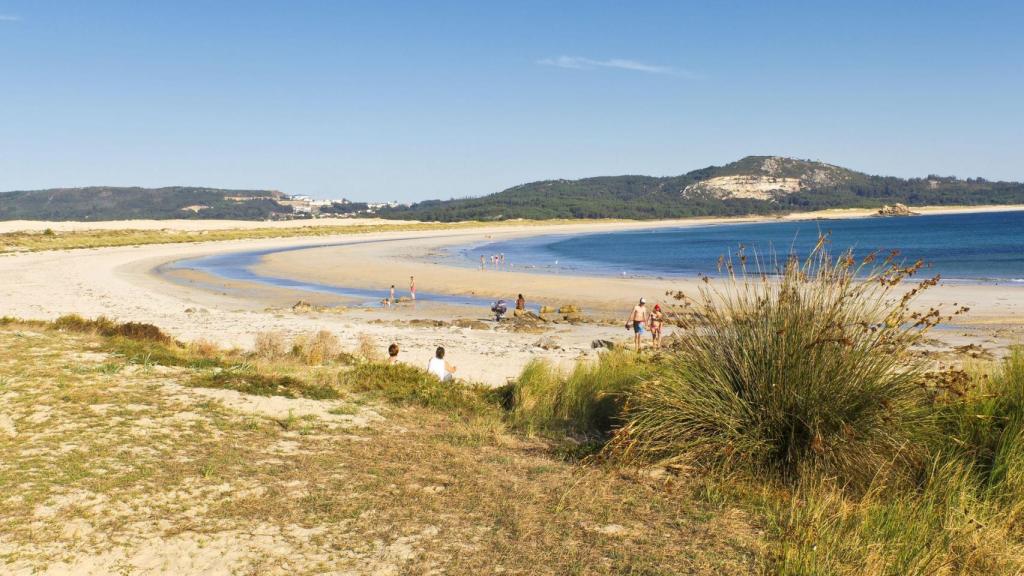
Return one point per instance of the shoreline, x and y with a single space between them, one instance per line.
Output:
123 283
196 225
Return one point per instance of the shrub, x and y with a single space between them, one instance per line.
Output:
76 323
270 345
586 402
139 331
318 348
804 372
203 348
368 349
106 327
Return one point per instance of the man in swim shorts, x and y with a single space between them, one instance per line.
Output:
637 319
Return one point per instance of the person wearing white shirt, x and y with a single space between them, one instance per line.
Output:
440 367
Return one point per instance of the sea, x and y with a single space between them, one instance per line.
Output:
985 247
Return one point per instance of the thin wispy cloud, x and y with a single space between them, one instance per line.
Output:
9 18
581 63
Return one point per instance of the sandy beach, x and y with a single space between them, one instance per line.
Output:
122 283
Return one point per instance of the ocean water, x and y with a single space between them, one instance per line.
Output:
985 247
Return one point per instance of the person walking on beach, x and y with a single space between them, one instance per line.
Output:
637 319
391 297
440 367
657 322
412 288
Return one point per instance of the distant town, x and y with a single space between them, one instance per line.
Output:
303 205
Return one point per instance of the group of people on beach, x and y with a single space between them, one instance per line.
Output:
391 300
641 319
496 260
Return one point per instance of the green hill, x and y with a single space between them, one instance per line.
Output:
753 185
112 203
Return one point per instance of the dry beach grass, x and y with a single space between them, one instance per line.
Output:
112 462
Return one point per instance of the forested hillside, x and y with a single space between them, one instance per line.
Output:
753 185
111 203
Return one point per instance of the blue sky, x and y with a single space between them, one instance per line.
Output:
414 100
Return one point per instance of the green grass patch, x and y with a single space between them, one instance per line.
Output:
149 352
249 381
36 241
404 384
586 403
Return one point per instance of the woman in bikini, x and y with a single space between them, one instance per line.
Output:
657 321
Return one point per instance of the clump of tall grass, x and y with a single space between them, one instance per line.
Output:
942 527
368 349
203 348
983 425
106 327
801 369
318 348
586 402
269 345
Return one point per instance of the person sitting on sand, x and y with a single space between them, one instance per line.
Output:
393 354
636 321
440 367
520 303
657 321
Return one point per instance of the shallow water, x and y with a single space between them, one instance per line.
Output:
238 266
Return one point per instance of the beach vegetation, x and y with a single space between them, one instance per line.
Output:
791 429
106 327
368 350
270 345
796 371
403 384
585 403
982 425
80 239
246 379
941 526
318 347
